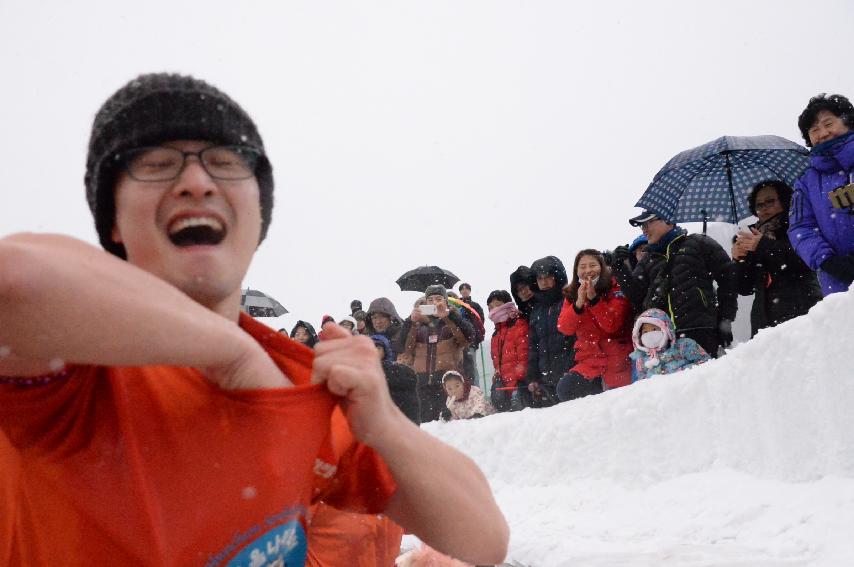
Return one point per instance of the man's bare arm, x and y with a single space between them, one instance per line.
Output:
62 300
442 496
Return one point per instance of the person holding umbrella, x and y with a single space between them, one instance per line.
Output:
821 218
677 275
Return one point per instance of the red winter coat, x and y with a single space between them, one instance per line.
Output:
509 349
603 333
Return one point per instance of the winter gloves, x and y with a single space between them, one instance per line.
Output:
620 255
840 267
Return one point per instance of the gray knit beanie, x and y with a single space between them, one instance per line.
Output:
156 108
436 289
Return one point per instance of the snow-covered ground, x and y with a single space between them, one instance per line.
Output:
744 461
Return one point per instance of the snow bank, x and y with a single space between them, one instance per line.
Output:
747 460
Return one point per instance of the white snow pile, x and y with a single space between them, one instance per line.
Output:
744 461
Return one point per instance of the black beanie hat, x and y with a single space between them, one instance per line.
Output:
156 108
501 295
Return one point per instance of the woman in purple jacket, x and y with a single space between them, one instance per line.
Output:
821 218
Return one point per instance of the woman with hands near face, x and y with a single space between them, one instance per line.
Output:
599 315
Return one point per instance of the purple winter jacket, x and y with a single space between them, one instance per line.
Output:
817 230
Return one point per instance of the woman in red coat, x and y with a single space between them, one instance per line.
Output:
600 317
509 351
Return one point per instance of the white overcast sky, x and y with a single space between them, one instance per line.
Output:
477 135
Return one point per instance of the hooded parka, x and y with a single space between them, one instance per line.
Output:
817 229
550 353
394 332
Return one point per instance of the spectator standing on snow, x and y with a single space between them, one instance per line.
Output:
550 353
509 350
360 317
622 262
349 323
657 348
304 333
597 313
470 354
469 313
678 275
767 266
821 218
523 284
382 318
637 250
401 380
355 306
465 295
437 336
465 400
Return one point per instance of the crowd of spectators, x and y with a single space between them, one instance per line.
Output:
662 303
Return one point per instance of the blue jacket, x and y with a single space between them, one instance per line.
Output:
817 230
680 353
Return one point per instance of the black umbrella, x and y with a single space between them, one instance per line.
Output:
259 304
423 276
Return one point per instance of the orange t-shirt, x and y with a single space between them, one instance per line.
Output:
156 466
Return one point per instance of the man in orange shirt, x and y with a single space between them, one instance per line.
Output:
147 421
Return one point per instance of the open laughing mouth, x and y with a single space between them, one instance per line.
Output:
196 231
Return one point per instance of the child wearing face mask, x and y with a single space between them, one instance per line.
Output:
658 350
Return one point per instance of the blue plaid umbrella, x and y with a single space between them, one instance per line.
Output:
712 181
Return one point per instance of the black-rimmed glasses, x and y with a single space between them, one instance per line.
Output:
157 163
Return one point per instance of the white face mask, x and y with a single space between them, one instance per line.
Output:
654 339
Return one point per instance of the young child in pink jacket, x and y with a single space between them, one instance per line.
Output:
465 400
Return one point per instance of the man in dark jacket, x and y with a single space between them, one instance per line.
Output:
550 353
465 295
382 319
470 354
401 380
678 275
523 284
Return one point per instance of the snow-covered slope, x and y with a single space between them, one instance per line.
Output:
747 460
